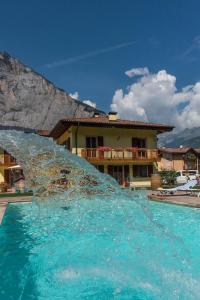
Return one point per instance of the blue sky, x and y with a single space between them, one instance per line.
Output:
87 46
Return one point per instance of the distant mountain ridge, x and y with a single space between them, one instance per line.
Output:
27 99
187 138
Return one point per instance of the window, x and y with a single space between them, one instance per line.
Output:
142 170
94 141
100 141
138 143
67 144
90 142
116 172
120 173
167 156
100 168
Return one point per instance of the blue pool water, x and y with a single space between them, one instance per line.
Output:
98 249
85 238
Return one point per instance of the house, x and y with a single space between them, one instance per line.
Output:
6 162
9 168
127 150
182 158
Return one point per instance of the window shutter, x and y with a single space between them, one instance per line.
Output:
143 143
87 142
135 171
150 170
68 143
110 170
94 144
135 142
100 141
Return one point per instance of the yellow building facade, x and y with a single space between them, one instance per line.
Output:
127 150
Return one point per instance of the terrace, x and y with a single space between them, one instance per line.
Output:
120 154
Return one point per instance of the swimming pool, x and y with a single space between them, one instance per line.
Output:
124 248
85 238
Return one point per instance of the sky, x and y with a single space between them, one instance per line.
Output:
138 57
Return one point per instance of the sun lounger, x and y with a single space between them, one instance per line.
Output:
195 192
187 187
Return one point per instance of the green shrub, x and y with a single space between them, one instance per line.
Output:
168 177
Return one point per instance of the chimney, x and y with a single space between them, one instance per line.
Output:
96 114
112 116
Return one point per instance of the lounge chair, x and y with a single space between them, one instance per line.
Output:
187 187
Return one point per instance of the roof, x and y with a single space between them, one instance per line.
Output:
103 121
180 150
43 132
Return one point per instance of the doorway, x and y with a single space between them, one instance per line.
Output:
120 173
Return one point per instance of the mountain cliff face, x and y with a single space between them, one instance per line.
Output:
28 100
187 138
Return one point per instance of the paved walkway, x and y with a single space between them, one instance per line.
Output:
5 201
185 200
16 199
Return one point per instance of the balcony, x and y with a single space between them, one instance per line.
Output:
7 160
119 154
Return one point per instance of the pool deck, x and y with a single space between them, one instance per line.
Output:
6 200
179 199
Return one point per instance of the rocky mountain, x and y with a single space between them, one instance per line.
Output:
187 137
29 100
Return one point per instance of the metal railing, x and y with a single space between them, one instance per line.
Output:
109 153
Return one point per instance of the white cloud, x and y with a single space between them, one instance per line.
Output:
88 102
137 72
155 98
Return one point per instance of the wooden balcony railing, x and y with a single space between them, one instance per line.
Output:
108 153
6 159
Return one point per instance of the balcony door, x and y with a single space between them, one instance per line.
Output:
142 170
94 141
138 143
120 173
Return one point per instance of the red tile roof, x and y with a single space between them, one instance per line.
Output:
180 150
103 121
